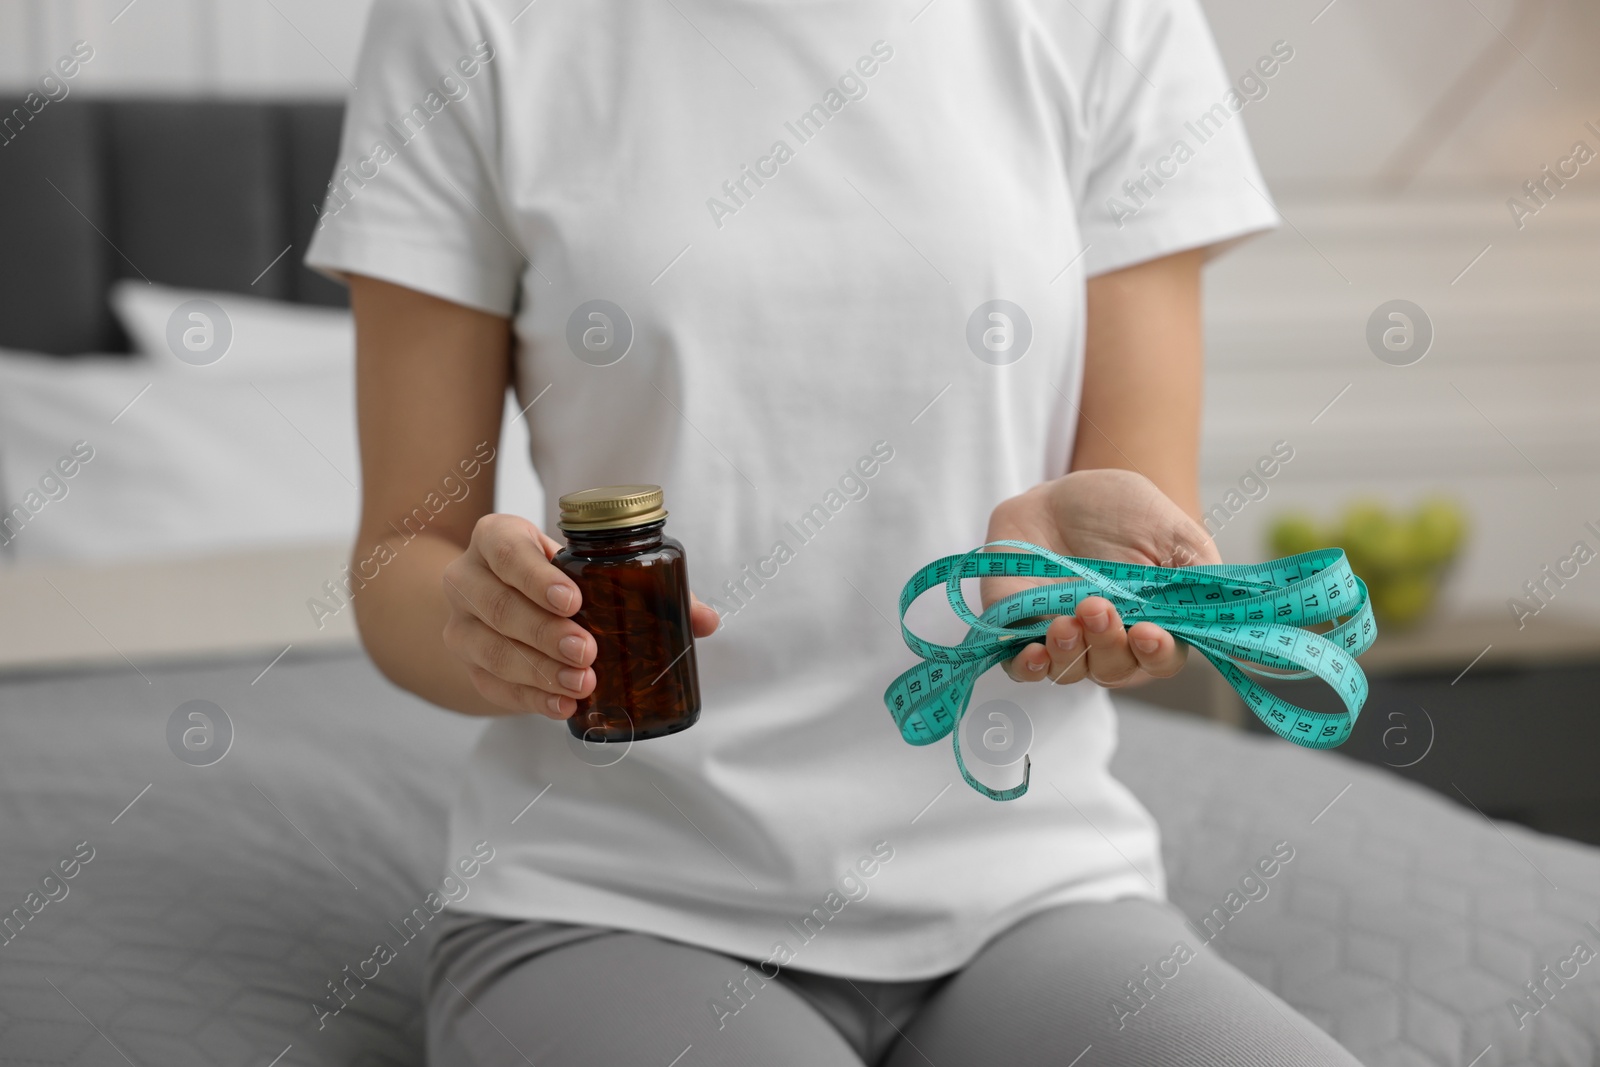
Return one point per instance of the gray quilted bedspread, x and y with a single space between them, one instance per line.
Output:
220 900
1407 925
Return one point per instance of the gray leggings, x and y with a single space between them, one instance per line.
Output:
1084 985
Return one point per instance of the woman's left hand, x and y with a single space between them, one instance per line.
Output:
1100 514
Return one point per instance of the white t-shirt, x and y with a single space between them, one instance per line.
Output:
799 207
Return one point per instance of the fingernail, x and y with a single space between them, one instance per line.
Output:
1146 644
1068 643
1096 621
1032 666
562 597
554 704
571 647
570 678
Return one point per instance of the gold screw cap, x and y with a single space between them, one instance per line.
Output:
612 506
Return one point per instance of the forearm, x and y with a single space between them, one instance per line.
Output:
430 384
401 614
1143 370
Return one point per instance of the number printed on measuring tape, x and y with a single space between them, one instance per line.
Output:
1249 618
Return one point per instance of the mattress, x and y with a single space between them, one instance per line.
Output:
1406 925
219 901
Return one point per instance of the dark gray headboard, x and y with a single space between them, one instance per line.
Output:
201 194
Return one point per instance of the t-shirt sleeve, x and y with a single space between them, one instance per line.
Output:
415 197
1166 165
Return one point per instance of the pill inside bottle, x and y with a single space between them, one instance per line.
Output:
635 591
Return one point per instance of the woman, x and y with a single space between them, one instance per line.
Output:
859 262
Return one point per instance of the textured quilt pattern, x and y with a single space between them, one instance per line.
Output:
1413 929
209 908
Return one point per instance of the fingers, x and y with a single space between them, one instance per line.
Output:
1160 655
478 645
505 579
1118 655
1069 653
1059 657
1111 662
510 624
1093 644
1029 665
515 676
474 592
521 698
515 550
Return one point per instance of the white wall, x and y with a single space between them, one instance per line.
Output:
236 47
1503 411
1368 72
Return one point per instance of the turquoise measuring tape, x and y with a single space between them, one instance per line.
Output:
1241 618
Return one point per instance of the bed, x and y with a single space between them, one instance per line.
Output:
221 899
220 880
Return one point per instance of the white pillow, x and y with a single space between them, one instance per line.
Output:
256 449
170 464
266 338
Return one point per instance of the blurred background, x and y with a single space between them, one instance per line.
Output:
1405 369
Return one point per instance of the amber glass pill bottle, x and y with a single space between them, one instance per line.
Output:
635 592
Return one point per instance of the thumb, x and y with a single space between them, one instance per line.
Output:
1185 543
703 619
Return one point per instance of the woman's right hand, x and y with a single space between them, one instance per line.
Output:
511 620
